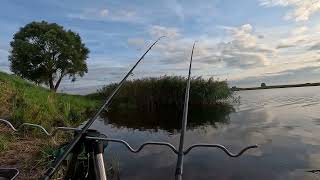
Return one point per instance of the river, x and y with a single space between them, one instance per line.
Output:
285 123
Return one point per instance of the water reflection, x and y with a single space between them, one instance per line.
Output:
285 123
169 119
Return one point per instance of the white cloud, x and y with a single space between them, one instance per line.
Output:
300 37
302 9
244 49
292 41
315 46
105 14
242 52
243 36
124 15
136 41
169 32
299 30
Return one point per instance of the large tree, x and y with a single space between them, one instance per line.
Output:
45 52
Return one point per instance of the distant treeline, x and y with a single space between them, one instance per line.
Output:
149 94
275 86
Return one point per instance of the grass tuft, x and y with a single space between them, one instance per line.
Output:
4 142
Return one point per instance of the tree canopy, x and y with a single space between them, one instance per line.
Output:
45 52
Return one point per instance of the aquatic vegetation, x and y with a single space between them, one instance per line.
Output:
150 94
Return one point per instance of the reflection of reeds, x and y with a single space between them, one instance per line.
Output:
149 94
168 118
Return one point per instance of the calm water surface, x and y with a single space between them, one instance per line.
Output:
285 123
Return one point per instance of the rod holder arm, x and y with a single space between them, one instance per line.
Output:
219 146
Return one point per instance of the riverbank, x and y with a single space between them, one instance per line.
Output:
20 102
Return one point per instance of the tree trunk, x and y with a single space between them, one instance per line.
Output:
58 83
51 84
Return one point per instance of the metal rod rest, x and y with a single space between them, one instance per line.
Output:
172 147
219 146
140 148
53 132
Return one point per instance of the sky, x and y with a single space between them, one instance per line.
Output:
245 42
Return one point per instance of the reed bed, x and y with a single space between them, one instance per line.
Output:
150 94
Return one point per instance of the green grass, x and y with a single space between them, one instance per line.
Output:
22 101
150 94
4 142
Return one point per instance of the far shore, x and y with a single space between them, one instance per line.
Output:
276 86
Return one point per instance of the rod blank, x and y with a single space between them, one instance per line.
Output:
179 167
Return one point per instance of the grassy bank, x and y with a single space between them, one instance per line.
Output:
150 94
22 101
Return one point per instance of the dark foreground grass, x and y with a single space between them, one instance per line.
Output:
29 154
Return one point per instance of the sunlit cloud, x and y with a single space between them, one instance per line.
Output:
170 32
242 50
299 30
301 9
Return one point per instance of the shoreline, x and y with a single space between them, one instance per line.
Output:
276 86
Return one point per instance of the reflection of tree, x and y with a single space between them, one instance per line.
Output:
169 118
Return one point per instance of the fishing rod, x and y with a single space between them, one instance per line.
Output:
54 166
179 167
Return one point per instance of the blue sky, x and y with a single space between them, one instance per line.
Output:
245 42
